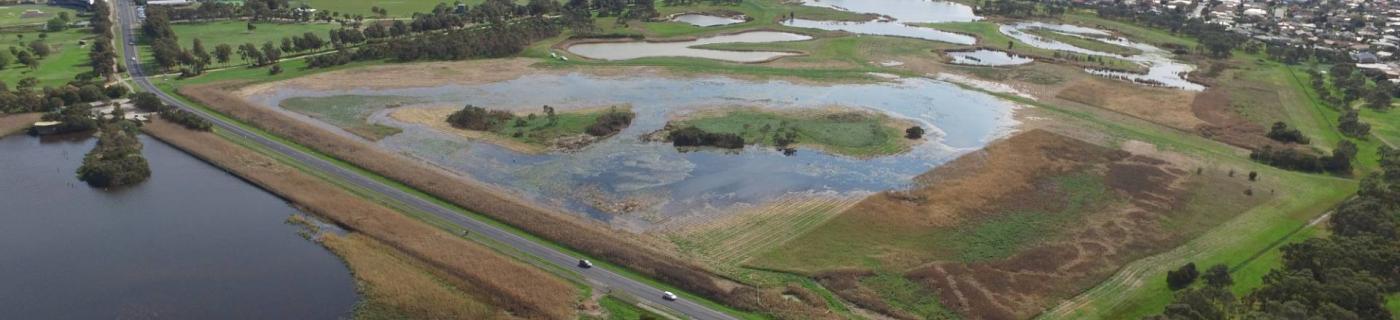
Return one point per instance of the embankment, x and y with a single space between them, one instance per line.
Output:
519 289
16 123
562 228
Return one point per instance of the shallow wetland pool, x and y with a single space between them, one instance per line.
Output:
659 180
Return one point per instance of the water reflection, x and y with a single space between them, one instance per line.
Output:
984 57
705 20
665 182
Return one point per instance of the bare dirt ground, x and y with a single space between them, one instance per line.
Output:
517 288
15 123
1224 124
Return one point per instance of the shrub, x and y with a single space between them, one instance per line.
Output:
478 118
610 123
1282 133
1218 276
695 137
914 133
1182 277
187 119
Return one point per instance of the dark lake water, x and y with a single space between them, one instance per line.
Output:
193 242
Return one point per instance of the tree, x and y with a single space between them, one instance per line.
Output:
28 60
1182 277
147 101
222 53
39 48
275 69
914 133
1281 133
251 26
1350 125
56 24
270 53
1218 276
200 53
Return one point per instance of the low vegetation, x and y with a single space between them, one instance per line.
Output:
395 286
116 161
567 130
854 133
350 112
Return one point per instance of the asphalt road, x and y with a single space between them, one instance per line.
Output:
601 279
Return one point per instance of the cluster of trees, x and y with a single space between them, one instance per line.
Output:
58 23
31 55
1025 9
1350 125
103 56
74 119
116 161
691 136
1215 40
480 119
610 122
150 102
210 11
26 98
1282 133
1293 159
1346 275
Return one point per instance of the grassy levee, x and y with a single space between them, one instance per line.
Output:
638 262
505 283
16 123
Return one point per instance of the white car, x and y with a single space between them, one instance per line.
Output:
582 263
668 296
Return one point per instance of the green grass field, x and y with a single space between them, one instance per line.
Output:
67 59
396 8
538 131
849 133
15 15
235 33
349 112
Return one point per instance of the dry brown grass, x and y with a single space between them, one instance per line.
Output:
15 123
393 285
519 289
1169 107
1152 205
564 229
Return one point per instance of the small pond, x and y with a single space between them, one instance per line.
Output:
705 20
193 242
671 183
984 57
898 17
1162 70
644 49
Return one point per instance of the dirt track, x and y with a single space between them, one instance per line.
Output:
518 288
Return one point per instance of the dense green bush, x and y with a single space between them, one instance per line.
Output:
187 119
695 137
478 118
610 123
116 160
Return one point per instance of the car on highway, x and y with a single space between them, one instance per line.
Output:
668 296
583 263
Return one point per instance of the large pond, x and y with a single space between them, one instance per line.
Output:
644 49
898 18
193 242
671 183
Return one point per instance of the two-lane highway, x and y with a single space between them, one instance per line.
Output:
602 279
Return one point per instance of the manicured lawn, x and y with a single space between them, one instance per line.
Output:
66 60
39 14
